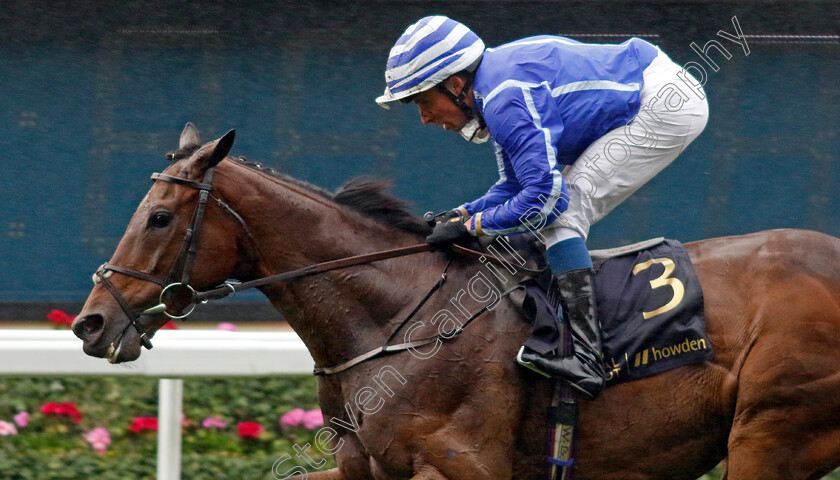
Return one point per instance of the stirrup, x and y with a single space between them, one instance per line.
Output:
529 365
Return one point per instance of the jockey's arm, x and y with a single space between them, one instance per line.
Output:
526 125
501 191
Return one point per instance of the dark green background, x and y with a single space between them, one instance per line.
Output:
94 93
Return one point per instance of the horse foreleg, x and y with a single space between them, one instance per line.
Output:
331 474
424 472
790 453
428 472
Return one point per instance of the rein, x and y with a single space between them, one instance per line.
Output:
232 287
180 295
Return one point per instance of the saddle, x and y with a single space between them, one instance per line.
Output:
647 329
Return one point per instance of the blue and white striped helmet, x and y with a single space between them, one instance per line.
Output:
429 52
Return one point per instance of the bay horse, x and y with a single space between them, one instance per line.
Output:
768 403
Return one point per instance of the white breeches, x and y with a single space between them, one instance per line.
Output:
671 116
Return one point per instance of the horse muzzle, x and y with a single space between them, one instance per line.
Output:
115 347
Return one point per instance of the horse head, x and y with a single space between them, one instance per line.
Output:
158 252
193 231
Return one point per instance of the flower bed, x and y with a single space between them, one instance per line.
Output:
105 427
232 428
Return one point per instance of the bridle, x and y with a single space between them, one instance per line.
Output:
175 287
178 298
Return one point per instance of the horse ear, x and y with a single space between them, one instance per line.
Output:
189 136
222 148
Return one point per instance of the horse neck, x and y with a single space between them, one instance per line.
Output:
340 313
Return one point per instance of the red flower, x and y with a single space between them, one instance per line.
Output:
250 430
169 326
62 409
144 423
60 318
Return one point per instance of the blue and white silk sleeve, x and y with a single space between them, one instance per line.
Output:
503 190
526 124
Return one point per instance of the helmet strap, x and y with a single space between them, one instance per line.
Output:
459 102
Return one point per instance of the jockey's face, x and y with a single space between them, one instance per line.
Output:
437 109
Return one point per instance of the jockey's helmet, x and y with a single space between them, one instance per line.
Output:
429 52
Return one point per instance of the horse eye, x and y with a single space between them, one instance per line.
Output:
160 220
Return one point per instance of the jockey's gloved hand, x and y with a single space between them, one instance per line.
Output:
432 219
447 216
449 232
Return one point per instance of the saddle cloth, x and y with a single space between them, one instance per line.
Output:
650 305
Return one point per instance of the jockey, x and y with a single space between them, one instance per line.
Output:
576 129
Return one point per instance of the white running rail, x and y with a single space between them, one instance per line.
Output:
176 354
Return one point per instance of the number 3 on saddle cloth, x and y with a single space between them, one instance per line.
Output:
650 305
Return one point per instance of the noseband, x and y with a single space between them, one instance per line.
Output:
177 295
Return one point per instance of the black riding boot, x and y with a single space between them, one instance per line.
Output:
584 370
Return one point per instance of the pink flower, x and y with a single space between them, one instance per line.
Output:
313 419
7 428
213 422
249 430
292 418
22 419
99 439
226 326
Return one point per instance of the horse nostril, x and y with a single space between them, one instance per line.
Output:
89 326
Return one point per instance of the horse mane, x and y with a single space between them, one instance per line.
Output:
365 194
368 196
